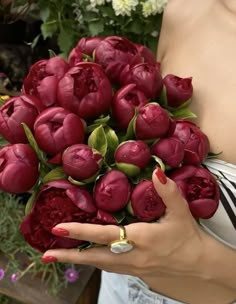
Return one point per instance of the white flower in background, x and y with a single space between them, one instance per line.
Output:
95 3
124 7
153 7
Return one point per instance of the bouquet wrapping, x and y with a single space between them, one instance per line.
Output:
86 134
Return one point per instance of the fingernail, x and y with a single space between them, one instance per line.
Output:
60 231
161 176
48 259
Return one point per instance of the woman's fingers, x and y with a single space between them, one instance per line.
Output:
100 234
168 191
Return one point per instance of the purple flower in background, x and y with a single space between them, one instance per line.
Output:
71 275
14 277
2 273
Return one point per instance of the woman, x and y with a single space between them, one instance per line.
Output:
177 259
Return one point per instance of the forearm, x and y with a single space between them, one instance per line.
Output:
218 264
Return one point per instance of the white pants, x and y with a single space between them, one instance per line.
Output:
124 289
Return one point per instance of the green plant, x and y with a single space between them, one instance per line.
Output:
68 21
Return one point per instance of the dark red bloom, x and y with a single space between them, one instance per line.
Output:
146 76
81 161
200 189
178 90
112 191
196 143
85 90
146 204
24 108
170 150
56 128
57 202
43 77
18 168
124 103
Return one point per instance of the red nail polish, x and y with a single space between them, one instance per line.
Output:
48 259
60 231
161 176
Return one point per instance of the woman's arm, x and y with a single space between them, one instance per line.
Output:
218 263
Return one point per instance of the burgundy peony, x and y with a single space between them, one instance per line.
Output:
177 90
170 150
85 90
132 156
57 202
124 103
146 204
200 189
85 45
18 168
112 191
152 122
43 77
196 143
56 128
81 162
146 54
13 113
146 76
113 53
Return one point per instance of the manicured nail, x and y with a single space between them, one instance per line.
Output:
60 231
48 259
161 176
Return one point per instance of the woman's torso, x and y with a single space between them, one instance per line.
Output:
199 40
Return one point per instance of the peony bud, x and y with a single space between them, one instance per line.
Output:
196 143
152 122
200 189
85 90
56 128
81 162
178 90
146 204
112 191
43 77
24 108
124 103
146 76
170 150
16 160
114 53
132 156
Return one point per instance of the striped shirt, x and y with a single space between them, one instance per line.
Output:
223 223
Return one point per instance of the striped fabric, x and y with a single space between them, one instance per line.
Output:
223 224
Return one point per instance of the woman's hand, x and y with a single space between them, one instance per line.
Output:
172 246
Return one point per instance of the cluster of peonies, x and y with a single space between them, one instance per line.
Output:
86 134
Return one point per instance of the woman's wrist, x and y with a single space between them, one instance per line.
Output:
217 263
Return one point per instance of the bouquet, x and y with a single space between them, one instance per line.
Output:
86 134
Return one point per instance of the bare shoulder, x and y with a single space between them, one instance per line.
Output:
177 17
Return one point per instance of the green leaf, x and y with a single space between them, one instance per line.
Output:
48 29
95 28
97 122
112 139
160 162
76 182
98 140
65 40
33 143
128 169
119 216
56 173
183 113
52 53
30 202
130 130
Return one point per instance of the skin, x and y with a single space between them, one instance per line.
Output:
186 264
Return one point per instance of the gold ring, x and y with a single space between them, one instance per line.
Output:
123 244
